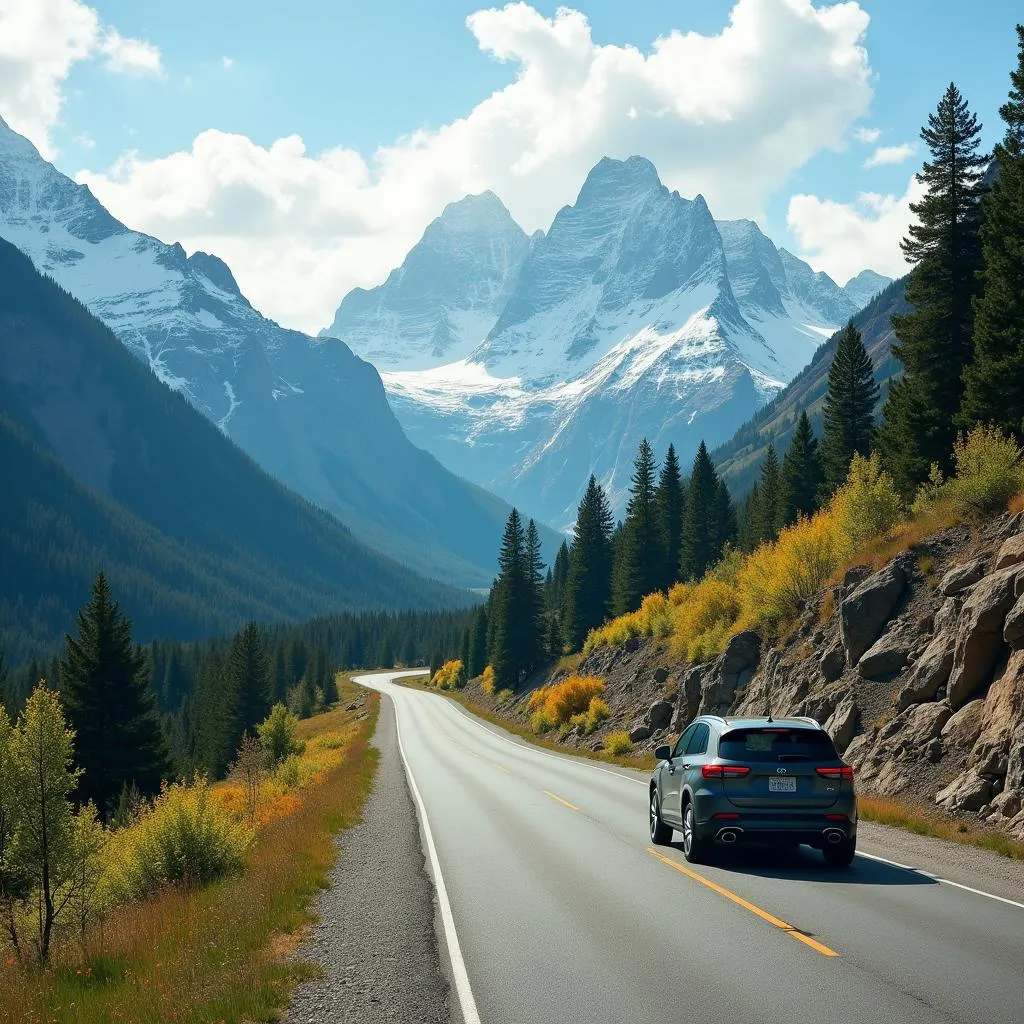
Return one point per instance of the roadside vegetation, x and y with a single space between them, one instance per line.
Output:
186 910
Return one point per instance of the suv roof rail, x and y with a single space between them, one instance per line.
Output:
808 720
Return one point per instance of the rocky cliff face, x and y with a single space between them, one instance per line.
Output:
915 667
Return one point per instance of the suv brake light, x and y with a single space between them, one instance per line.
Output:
724 771
844 772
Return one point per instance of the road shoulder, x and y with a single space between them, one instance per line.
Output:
375 939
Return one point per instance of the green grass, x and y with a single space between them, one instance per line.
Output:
222 953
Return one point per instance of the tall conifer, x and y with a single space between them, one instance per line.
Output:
800 479
849 409
588 586
247 681
670 501
935 338
106 693
700 542
639 559
994 383
770 488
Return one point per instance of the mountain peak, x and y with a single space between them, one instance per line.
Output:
475 213
635 172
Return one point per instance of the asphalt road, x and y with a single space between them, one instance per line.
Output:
554 906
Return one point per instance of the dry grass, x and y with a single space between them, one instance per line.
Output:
1016 505
828 607
928 823
212 954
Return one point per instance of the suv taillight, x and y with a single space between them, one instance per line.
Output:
724 771
844 772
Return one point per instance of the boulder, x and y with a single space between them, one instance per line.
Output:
660 715
1011 553
925 723
1008 803
963 728
960 577
859 749
1013 627
930 671
946 615
979 633
741 652
866 611
833 661
967 792
887 654
660 675
641 732
843 723
934 750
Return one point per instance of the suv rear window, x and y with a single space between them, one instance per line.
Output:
767 744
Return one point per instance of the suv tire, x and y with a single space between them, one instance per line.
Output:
841 854
661 834
695 850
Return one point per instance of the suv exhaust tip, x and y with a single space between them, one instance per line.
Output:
834 836
728 835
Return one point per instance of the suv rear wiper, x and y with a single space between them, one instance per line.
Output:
794 757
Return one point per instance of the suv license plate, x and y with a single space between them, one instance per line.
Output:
782 785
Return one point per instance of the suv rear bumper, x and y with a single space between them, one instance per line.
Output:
810 830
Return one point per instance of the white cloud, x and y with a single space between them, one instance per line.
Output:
883 156
731 115
867 135
227 62
40 40
133 56
844 238
86 141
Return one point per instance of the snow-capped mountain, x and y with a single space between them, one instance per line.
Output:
445 297
307 410
865 286
636 314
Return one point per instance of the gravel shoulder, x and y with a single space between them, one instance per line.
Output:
375 939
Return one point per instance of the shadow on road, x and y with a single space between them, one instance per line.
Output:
807 865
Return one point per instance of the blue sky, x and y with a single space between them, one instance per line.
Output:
355 77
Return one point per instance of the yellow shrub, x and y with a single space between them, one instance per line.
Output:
703 619
617 743
503 695
598 711
653 618
487 680
185 838
553 705
777 577
448 676
868 504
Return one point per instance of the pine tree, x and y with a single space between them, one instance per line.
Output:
670 502
109 704
247 681
750 520
511 607
770 488
935 339
700 547
639 559
849 409
534 633
559 576
994 383
588 586
726 530
214 712
800 479
478 644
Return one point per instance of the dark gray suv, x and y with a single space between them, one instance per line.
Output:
761 780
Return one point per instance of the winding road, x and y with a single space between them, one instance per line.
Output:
554 906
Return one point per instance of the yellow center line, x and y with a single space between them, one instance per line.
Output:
555 796
740 901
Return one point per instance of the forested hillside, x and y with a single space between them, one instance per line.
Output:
106 468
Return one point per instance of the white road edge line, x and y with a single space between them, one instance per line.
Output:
939 878
537 750
459 975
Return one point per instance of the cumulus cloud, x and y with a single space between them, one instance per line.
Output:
227 63
883 156
867 135
40 40
133 56
844 238
730 115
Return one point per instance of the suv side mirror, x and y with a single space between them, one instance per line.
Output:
663 753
